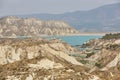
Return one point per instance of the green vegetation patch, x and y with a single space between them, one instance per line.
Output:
98 65
112 36
83 61
113 46
90 54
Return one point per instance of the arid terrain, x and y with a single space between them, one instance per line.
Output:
42 59
59 39
24 55
38 59
12 26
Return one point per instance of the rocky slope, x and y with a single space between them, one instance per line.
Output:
41 59
107 53
38 59
18 49
102 56
14 26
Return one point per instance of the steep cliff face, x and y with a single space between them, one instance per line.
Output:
14 26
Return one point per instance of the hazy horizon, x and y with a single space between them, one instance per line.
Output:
20 7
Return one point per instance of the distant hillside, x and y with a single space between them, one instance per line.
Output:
112 36
102 19
14 26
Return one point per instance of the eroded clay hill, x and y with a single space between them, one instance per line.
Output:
41 59
38 59
13 26
103 57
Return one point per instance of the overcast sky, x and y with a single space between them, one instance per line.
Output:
13 7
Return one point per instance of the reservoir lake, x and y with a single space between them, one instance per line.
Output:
75 40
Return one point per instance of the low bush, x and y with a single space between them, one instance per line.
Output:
112 36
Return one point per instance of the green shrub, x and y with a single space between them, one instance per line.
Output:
98 65
83 61
90 54
111 36
113 46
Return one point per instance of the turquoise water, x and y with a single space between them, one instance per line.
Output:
76 40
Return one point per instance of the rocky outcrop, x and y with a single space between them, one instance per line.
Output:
102 56
106 52
38 59
13 26
41 59
12 50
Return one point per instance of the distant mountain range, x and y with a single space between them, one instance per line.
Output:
102 19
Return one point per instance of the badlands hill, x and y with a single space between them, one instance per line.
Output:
14 26
38 59
41 59
102 56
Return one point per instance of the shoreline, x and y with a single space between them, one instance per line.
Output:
96 34
80 34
